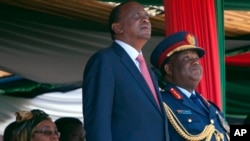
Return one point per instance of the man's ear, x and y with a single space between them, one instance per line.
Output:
168 70
116 28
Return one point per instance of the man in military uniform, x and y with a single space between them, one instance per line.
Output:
191 116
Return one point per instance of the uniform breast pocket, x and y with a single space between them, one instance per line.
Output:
192 123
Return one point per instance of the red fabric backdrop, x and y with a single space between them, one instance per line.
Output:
198 17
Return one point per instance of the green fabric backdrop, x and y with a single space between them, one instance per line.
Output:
221 44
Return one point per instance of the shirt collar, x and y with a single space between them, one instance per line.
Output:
186 92
131 51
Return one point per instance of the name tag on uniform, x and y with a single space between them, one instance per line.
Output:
186 112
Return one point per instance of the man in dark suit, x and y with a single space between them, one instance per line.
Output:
191 116
118 104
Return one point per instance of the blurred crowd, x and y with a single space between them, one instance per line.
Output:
37 125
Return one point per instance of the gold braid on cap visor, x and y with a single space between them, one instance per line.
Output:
180 48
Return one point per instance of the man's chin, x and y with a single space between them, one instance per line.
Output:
146 36
197 77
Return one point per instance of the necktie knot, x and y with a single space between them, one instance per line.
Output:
140 58
193 97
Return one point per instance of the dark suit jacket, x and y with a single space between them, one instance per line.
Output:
190 116
117 103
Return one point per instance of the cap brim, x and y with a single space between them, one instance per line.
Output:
200 51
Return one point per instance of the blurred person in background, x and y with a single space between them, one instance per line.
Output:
10 132
36 125
71 129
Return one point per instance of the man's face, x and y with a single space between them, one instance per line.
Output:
185 68
134 21
78 134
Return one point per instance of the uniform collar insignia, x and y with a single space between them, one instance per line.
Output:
175 93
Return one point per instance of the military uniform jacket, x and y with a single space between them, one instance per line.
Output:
190 116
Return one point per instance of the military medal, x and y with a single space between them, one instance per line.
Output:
224 123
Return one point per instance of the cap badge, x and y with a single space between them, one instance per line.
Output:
190 39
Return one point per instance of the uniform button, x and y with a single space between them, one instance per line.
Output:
189 120
161 90
212 121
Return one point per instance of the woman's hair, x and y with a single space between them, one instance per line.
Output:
27 121
10 132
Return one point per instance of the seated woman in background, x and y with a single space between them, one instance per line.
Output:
36 125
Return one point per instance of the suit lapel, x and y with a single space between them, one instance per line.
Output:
187 102
129 64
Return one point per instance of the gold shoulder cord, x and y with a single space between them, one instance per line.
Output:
206 134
